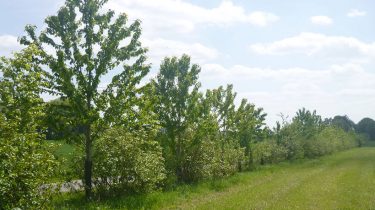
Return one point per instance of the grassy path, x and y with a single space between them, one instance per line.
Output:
345 180
342 181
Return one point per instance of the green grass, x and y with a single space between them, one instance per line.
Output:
345 180
63 149
64 152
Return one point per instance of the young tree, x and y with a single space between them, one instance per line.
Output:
309 123
223 108
176 86
249 123
79 47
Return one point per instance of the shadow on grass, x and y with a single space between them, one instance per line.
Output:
154 200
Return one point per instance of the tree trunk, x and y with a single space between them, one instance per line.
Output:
179 169
251 159
88 163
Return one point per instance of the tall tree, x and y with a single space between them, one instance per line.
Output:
177 87
343 122
367 126
80 45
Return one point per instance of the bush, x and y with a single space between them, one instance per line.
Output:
26 166
329 140
128 162
294 147
199 160
202 158
268 151
229 157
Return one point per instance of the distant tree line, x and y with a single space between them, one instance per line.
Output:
133 137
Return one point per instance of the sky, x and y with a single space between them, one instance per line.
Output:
280 55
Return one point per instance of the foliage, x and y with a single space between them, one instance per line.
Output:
331 139
128 162
224 111
84 45
26 165
25 159
249 127
343 122
268 151
20 88
308 123
367 127
307 136
290 137
59 121
176 88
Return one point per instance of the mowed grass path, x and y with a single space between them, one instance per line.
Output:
342 181
345 180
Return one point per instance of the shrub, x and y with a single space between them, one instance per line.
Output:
329 140
268 151
26 165
128 161
202 157
229 157
199 159
294 147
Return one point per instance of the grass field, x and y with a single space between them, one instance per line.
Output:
64 152
63 149
345 180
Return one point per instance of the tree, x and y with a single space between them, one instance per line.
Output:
176 87
343 122
26 161
308 123
249 123
367 126
79 47
224 110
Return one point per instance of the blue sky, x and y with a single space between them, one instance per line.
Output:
280 55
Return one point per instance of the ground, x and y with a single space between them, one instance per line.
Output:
345 180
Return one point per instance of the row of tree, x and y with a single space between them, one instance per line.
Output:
133 136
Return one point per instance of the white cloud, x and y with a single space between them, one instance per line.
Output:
160 48
356 13
8 44
321 20
181 16
319 45
334 90
262 18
